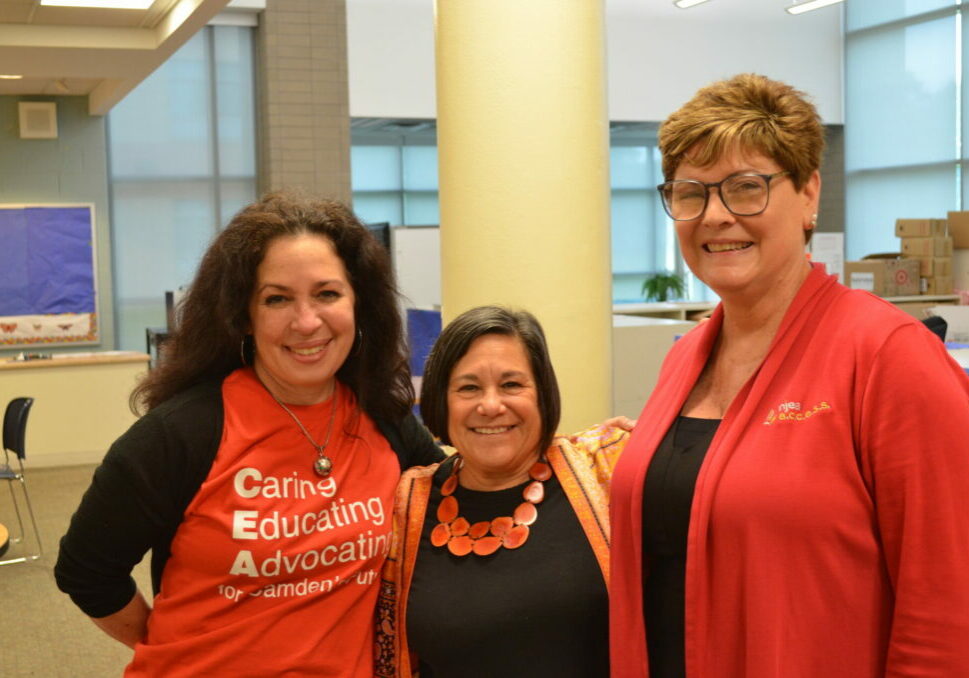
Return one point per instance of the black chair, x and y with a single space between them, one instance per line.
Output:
14 430
938 326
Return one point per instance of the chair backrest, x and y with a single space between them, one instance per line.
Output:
938 326
15 425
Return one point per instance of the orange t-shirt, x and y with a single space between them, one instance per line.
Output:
274 570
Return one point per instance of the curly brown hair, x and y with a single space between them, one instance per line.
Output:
213 317
750 112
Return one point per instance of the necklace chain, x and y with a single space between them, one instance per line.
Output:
323 464
485 537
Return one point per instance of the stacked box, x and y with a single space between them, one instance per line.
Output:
960 257
959 229
886 277
939 284
928 241
933 246
921 228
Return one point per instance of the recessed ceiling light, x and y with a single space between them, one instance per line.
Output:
802 7
11 77
100 4
684 4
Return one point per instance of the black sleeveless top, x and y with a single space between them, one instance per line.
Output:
667 498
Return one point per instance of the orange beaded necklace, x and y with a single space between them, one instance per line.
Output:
486 537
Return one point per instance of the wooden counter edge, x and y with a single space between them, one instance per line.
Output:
72 361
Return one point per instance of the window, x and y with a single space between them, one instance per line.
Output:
394 179
182 162
904 120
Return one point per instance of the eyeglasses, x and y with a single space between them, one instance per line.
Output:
744 195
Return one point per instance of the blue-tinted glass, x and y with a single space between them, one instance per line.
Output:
863 13
629 167
173 221
900 96
234 194
376 207
235 100
420 168
632 244
421 209
876 199
162 128
375 168
627 287
164 195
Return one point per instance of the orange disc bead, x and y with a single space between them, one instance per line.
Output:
451 484
478 530
447 510
534 492
540 471
460 546
486 546
501 525
459 527
514 538
440 534
525 514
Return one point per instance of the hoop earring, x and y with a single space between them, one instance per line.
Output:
242 349
358 343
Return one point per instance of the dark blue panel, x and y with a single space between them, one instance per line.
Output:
422 329
60 259
14 281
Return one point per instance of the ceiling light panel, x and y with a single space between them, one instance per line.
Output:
684 4
100 4
802 7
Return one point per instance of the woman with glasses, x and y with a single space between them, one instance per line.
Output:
796 502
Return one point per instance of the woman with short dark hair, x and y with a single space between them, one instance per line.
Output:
262 475
501 553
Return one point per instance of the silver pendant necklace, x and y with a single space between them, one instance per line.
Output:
323 464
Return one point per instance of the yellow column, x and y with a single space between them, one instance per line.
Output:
524 178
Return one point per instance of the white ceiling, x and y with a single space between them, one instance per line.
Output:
98 53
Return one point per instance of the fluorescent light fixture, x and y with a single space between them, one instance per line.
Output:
810 5
11 77
684 4
100 4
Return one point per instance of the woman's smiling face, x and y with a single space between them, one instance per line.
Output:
493 414
748 256
301 315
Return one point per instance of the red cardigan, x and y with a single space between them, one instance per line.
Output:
829 533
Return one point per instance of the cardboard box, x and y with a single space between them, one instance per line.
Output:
934 267
920 228
960 269
959 229
936 285
886 277
938 246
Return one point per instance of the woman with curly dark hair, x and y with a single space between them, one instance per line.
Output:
262 475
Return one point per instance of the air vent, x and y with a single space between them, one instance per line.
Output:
38 119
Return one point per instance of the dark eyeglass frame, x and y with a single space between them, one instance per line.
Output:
716 184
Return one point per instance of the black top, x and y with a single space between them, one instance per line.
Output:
539 610
667 498
140 491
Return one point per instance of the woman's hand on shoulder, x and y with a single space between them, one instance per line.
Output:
619 421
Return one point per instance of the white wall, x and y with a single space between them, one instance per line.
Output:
658 55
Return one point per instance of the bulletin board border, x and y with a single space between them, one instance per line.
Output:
74 329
